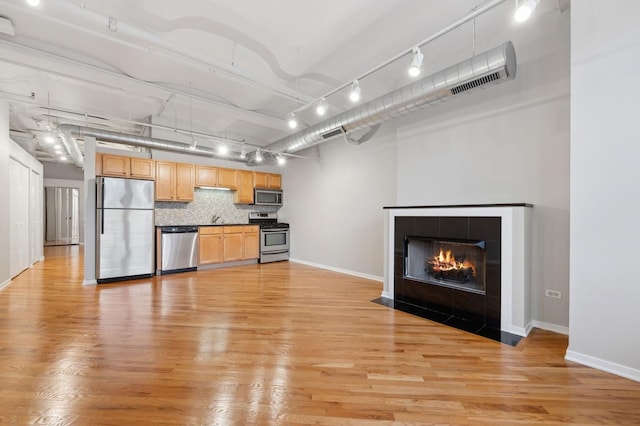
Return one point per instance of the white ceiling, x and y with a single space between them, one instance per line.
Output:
231 69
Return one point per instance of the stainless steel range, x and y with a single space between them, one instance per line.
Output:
274 236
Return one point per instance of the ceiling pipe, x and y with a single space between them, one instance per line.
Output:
68 132
483 70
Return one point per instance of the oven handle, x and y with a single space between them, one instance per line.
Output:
275 230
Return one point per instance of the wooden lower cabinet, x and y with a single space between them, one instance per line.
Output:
233 243
251 242
210 248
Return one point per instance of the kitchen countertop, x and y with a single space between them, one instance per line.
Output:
212 224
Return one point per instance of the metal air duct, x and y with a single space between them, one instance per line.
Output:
483 70
68 131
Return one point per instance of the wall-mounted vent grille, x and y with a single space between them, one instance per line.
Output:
332 133
475 83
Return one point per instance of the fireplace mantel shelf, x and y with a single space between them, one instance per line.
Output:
455 206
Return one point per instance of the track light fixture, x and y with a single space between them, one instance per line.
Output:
258 156
281 159
223 149
49 139
33 3
292 122
416 62
243 152
354 95
525 9
322 106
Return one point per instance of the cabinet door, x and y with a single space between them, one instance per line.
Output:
244 193
275 181
209 249
227 178
206 176
142 168
184 182
115 165
165 181
260 180
233 247
251 245
98 164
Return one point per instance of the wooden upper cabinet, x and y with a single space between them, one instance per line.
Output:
165 181
122 166
260 180
267 180
244 182
115 165
98 164
275 181
184 182
227 178
142 168
206 176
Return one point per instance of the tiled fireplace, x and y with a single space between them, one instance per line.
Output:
465 266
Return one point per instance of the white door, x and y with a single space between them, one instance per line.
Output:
18 217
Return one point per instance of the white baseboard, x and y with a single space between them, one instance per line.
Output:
601 364
340 270
5 284
89 282
551 327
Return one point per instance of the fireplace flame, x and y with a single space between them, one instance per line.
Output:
444 262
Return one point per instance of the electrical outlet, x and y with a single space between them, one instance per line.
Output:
556 294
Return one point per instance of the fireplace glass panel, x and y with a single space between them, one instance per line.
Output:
451 263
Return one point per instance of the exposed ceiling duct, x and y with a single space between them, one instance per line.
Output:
483 70
68 131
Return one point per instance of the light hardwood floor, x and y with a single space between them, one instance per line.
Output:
280 343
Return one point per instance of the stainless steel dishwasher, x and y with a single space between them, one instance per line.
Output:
179 249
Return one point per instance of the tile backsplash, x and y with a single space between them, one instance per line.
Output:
205 205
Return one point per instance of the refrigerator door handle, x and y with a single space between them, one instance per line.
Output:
102 206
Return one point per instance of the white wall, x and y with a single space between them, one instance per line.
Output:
605 155
506 144
11 155
333 201
5 144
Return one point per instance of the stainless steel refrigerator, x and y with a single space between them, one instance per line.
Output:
125 240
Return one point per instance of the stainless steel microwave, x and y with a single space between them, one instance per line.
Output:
267 197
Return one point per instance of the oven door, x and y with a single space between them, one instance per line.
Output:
274 240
